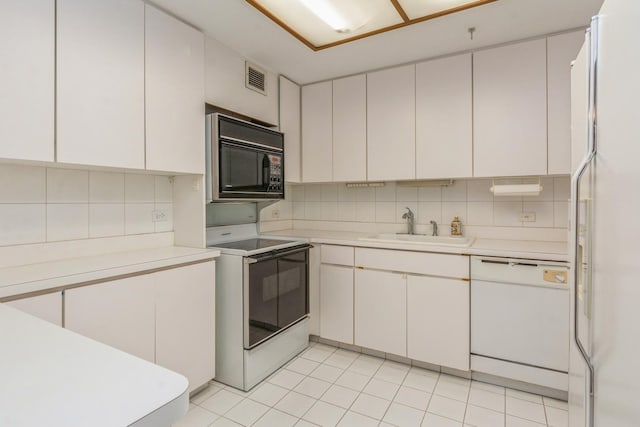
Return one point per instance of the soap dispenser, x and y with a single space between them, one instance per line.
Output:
456 226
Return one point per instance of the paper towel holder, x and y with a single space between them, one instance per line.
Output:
516 189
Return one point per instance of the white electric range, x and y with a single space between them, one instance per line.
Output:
262 303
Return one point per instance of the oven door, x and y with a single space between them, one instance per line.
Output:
247 171
276 293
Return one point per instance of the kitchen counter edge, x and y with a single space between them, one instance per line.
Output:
527 249
32 279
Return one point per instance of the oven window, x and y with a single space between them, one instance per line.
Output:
263 300
243 169
292 288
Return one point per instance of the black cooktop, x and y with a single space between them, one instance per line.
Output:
252 244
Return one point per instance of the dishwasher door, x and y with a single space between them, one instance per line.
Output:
518 314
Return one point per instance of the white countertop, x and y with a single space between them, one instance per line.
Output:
71 271
530 249
54 377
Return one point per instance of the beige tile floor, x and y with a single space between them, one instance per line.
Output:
325 386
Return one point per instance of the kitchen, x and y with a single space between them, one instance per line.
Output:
111 188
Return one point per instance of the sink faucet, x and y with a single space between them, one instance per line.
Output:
409 217
435 227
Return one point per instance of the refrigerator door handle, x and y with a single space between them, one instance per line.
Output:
592 39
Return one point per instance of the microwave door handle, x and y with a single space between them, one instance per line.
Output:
244 142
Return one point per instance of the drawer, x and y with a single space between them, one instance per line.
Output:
340 255
456 266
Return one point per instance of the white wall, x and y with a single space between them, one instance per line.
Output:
225 84
370 209
39 204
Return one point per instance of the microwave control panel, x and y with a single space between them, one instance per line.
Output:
275 173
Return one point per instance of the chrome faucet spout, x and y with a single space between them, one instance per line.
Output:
409 217
435 227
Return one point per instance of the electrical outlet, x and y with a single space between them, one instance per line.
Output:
528 217
159 215
275 213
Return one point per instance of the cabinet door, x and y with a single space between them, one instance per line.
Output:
381 311
438 321
47 307
290 126
510 110
100 82
317 157
579 107
174 97
350 129
27 34
314 290
444 118
391 122
120 313
336 303
561 50
185 321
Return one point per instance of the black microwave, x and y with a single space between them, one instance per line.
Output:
244 161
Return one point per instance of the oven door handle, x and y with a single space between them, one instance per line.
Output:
273 255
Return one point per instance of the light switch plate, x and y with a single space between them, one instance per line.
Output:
528 217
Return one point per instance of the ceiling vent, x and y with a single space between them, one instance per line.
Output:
255 78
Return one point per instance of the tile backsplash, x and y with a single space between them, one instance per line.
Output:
39 204
469 199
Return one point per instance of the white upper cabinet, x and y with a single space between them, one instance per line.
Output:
391 124
317 154
510 110
174 79
100 82
350 129
290 126
579 107
27 34
561 50
444 146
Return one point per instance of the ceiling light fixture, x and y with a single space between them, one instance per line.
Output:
321 24
328 13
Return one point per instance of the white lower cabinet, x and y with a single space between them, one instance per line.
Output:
336 303
185 322
381 311
406 303
120 313
166 317
47 307
438 321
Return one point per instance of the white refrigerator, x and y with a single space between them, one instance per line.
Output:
604 372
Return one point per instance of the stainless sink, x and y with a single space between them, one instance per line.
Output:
420 239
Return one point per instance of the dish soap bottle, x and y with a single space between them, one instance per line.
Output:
456 226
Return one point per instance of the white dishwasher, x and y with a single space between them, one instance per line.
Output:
520 320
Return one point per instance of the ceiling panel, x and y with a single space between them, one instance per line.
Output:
359 17
417 9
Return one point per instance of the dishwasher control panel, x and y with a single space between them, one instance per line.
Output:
555 276
519 271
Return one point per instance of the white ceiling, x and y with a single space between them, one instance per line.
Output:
244 29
